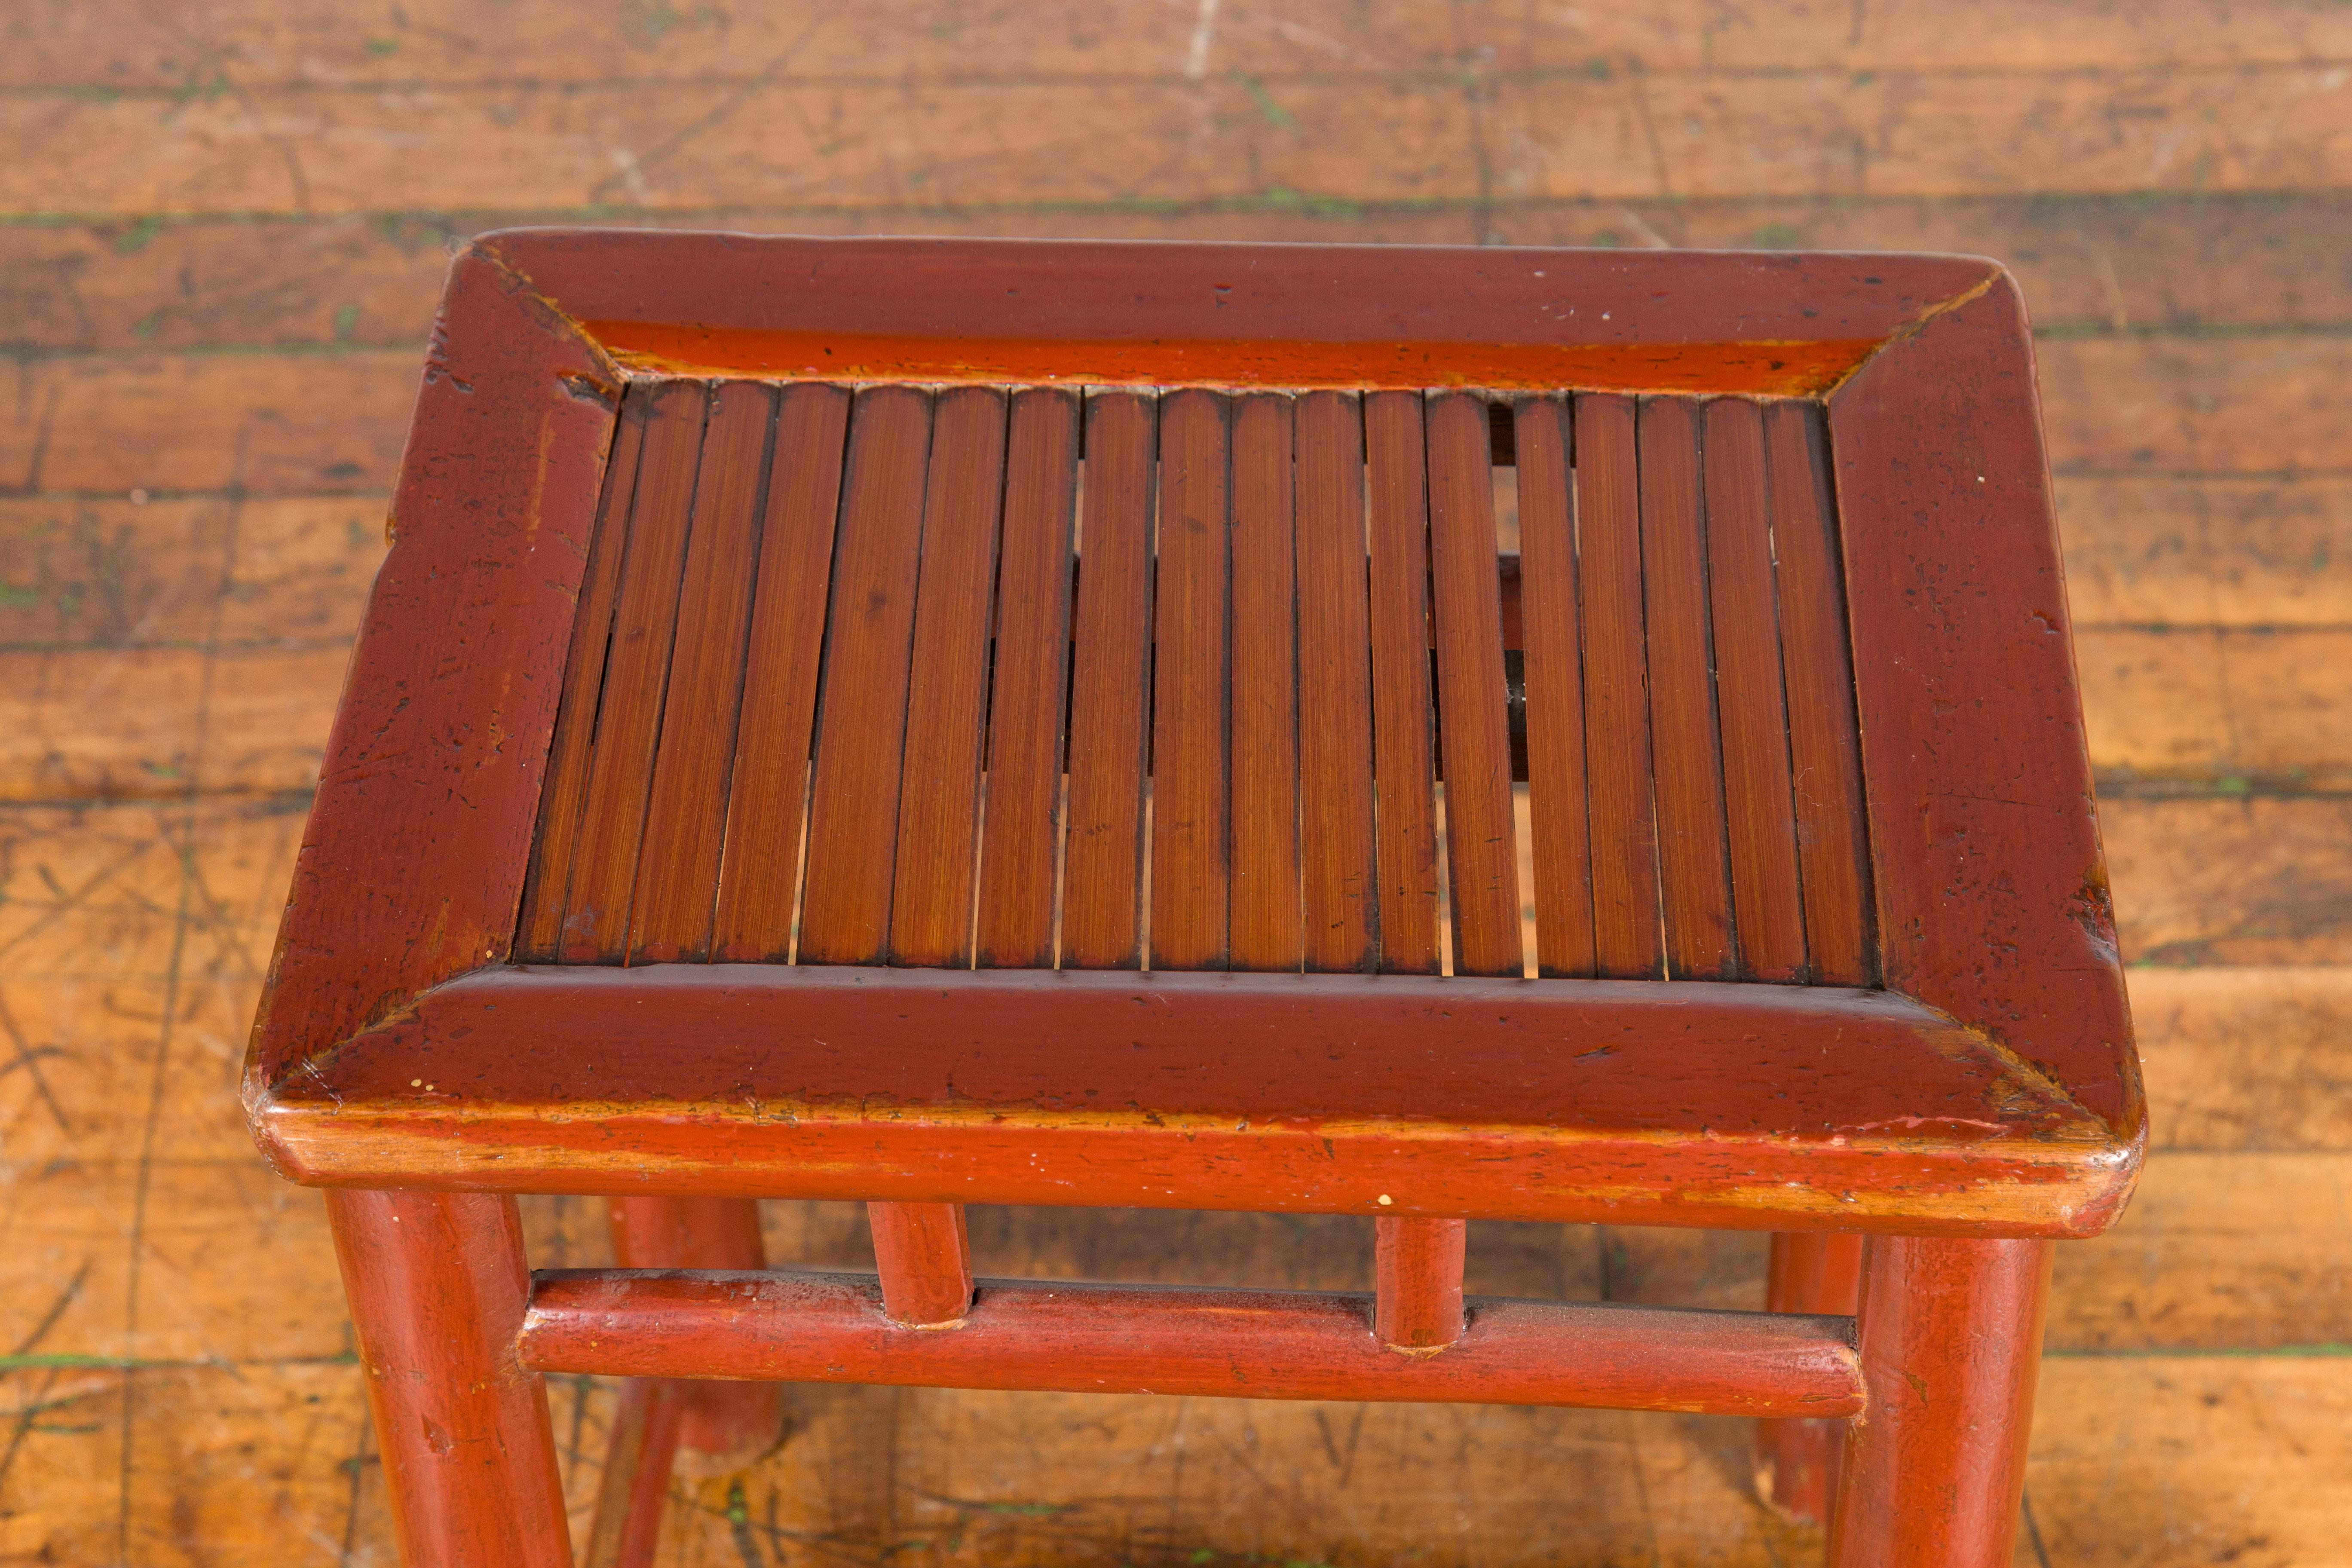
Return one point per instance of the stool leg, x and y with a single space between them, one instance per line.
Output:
727 1425
1797 1460
637 1458
1951 1343
437 1285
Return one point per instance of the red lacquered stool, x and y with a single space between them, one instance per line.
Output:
939 723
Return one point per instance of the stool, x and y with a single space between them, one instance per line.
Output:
930 722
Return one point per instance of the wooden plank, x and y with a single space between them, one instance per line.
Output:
1190 831
1942 136
260 424
75 1486
319 45
686 810
159 722
1558 824
94 893
2238 1058
1403 749
209 1434
947 696
1481 837
993 1475
2199 1262
2023 35
2194 406
322 45
1960 134
539 932
246 1266
156 1261
511 146
1020 848
2230 881
1111 667
861 724
760 865
2254 552
577 1233
2240 1251
184 571
153 288
1335 688
1026 1480
629 706
2238 705
1627 944
2271 1432
1265 912
64 1108
1760 811
1292 1252
1694 870
1817 670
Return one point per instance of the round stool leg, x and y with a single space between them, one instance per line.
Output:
626 1528
437 1285
1797 1460
713 1428
1951 1344
723 1426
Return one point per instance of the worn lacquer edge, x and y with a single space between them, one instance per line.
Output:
2008 1187
512 549
2052 1169
1970 360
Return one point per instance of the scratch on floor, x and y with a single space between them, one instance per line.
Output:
1205 35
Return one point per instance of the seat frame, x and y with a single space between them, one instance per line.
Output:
394 1055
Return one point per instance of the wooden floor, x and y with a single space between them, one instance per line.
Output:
222 226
